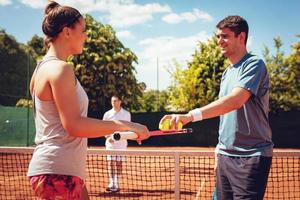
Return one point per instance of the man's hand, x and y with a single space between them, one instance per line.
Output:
176 119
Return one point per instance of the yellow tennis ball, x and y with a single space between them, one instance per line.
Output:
165 125
179 125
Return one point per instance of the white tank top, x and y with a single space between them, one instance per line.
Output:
57 152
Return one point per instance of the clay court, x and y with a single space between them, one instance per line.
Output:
150 174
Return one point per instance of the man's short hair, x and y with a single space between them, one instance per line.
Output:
116 96
236 24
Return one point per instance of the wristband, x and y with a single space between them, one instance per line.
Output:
197 114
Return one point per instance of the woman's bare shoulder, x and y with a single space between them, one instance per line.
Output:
60 70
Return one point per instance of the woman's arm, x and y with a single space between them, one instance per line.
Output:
63 89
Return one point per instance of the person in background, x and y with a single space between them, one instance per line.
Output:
115 162
245 146
58 165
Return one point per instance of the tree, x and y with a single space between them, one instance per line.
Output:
106 67
35 50
294 64
36 47
284 78
15 70
152 101
199 84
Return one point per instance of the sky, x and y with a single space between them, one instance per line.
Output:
160 32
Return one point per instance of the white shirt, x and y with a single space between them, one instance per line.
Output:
113 115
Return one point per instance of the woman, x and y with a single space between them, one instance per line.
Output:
57 168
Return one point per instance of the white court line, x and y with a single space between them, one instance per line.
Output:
200 190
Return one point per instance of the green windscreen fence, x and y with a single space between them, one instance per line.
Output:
16 126
18 62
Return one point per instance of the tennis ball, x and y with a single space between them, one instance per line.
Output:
165 125
179 125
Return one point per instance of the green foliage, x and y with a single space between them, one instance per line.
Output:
36 47
152 101
106 67
24 103
294 64
199 84
284 78
15 69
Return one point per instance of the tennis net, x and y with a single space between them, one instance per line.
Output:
151 174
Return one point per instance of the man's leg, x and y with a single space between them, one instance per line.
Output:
110 166
247 177
118 173
250 181
224 190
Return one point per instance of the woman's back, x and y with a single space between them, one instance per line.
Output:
56 149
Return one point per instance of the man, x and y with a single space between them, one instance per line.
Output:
115 162
245 146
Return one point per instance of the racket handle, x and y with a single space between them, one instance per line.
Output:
128 135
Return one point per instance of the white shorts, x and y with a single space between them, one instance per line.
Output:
117 145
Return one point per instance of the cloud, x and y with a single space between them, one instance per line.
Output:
166 49
190 17
125 15
118 13
124 34
83 5
35 3
5 2
172 18
169 47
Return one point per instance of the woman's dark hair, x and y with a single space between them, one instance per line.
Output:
56 18
236 24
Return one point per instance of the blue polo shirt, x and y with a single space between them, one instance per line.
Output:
246 131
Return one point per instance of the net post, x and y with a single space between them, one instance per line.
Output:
177 175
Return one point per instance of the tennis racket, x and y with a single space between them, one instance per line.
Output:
129 135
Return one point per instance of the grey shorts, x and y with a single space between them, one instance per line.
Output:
242 177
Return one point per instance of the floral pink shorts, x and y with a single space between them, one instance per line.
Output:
53 186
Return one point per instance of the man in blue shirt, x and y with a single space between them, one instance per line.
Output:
245 146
